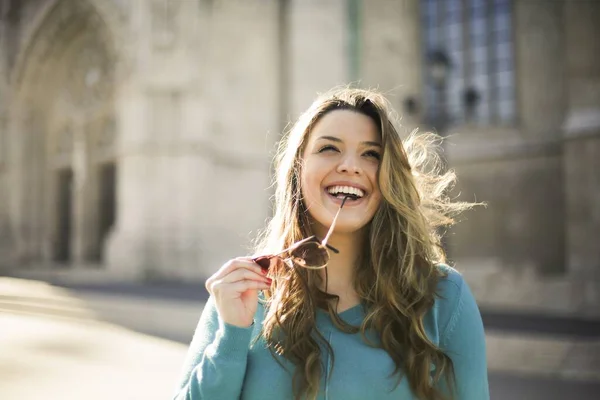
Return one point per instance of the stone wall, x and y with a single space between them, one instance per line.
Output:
517 170
192 134
522 225
582 148
536 245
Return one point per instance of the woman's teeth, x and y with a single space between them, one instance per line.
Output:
343 191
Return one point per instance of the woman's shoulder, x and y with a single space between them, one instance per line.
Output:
451 282
451 295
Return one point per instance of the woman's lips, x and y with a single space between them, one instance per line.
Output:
350 202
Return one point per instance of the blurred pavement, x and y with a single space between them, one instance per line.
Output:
59 350
128 341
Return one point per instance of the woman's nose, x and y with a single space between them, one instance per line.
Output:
349 166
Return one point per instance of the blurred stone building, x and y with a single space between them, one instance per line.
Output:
136 135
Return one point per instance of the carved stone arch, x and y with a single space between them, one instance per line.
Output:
63 94
107 12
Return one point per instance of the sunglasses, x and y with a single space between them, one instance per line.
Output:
310 253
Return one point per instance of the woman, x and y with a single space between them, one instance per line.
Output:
385 318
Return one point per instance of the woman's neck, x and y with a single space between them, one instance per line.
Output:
340 273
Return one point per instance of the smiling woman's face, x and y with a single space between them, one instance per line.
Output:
342 155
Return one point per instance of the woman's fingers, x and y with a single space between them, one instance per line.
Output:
243 274
234 287
236 263
242 286
236 270
238 286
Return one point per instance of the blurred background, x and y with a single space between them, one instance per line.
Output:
135 145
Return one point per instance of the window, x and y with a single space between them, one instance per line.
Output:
476 39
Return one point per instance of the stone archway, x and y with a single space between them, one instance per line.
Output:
63 132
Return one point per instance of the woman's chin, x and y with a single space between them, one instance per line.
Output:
349 227
355 228
320 226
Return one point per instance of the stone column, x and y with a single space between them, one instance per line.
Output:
4 188
391 55
4 102
582 147
79 233
4 232
18 180
153 198
319 58
539 47
195 124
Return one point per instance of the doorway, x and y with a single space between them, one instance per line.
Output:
107 204
64 211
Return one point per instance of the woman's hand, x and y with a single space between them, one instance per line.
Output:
235 289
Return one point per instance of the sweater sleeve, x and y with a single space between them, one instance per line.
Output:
215 365
464 342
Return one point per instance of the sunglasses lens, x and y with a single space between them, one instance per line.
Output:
274 266
264 262
310 255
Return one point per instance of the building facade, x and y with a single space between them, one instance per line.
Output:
136 136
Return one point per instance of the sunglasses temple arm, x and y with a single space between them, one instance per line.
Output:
324 242
283 251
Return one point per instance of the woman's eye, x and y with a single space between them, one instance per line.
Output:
373 154
327 148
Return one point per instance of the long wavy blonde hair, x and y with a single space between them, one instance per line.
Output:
396 276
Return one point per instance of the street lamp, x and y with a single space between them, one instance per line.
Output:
438 65
471 99
438 69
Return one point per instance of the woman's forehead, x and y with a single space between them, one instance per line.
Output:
345 125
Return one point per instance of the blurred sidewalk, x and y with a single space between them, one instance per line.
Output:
96 356
54 348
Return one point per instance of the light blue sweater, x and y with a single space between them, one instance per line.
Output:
224 362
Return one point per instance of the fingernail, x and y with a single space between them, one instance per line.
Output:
269 281
264 270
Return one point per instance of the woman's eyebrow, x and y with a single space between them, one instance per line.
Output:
332 138
338 140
